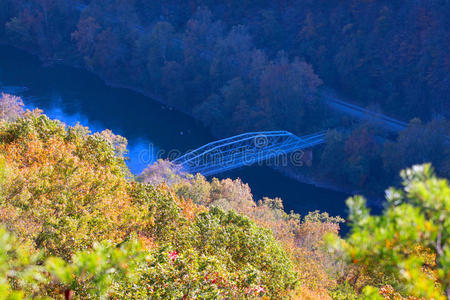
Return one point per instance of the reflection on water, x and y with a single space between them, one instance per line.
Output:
73 95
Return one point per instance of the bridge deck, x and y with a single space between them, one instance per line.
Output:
244 150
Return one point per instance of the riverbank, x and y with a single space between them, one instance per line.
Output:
74 95
298 176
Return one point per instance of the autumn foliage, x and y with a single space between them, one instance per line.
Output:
268 65
76 224
66 192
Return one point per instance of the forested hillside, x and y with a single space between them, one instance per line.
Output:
392 54
261 65
75 224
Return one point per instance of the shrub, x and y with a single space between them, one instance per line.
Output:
408 245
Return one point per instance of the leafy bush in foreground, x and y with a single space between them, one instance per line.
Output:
66 188
408 246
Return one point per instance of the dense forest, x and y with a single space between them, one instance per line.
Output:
76 225
263 65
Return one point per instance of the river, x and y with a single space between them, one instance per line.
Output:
152 129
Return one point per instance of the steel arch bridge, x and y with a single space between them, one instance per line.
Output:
244 150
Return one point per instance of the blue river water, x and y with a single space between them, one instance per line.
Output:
153 130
